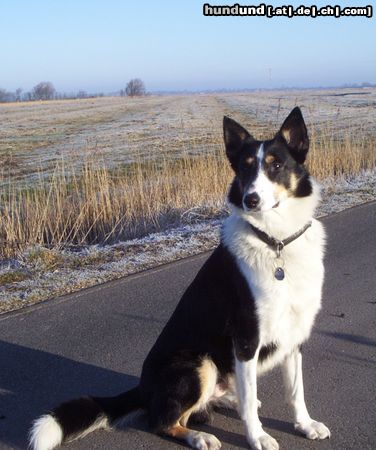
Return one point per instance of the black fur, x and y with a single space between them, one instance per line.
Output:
266 351
72 423
304 188
235 137
215 314
121 405
235 194
297 140
80 414
201 417
288 166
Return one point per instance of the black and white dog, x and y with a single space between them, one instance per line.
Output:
250 307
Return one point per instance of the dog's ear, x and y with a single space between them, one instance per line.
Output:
234 136
294 134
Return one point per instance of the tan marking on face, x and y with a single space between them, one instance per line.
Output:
269 159
249 160
280 189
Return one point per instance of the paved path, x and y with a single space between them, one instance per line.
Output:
95 342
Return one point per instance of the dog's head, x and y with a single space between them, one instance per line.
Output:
267 172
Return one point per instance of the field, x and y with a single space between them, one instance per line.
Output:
78 172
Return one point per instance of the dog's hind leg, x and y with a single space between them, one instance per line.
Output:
184 388
201 417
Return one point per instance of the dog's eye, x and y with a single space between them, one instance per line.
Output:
276 165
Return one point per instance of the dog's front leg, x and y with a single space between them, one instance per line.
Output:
246 387
293 378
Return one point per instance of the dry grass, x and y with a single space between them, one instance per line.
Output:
157 163
100 205
97 204
332 155
13 277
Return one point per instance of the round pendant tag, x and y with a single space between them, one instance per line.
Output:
279 273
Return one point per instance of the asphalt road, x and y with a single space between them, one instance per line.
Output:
94 342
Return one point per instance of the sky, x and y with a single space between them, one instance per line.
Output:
99 45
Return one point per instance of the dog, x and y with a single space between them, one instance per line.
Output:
251 307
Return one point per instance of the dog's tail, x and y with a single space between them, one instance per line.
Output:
77 418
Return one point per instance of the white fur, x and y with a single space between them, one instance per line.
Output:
203 441
246 386
246 378
293 379
286 309
45 433
291 215
263 186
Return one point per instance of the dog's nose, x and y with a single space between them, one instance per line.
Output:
251 200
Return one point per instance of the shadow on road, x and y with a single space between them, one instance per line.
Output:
239 439
33 381
355 338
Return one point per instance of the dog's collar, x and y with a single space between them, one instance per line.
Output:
277 244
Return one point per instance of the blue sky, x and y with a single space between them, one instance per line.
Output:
99 45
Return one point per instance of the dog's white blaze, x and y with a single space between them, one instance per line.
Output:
45 434
260 154
262 185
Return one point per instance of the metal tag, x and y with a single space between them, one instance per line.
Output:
279 273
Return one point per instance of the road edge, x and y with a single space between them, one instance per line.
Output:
124 279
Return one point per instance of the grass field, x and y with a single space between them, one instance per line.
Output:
99 170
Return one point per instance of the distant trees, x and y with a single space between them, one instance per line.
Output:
46 91
18 94
6 96
135 87
43 91
82 94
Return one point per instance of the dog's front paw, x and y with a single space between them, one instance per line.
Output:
313 430
204 441
263 442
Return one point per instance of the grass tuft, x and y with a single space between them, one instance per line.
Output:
13 277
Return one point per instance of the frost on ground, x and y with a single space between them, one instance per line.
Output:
35 136
39 274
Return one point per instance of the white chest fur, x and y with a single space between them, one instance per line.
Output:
286 309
